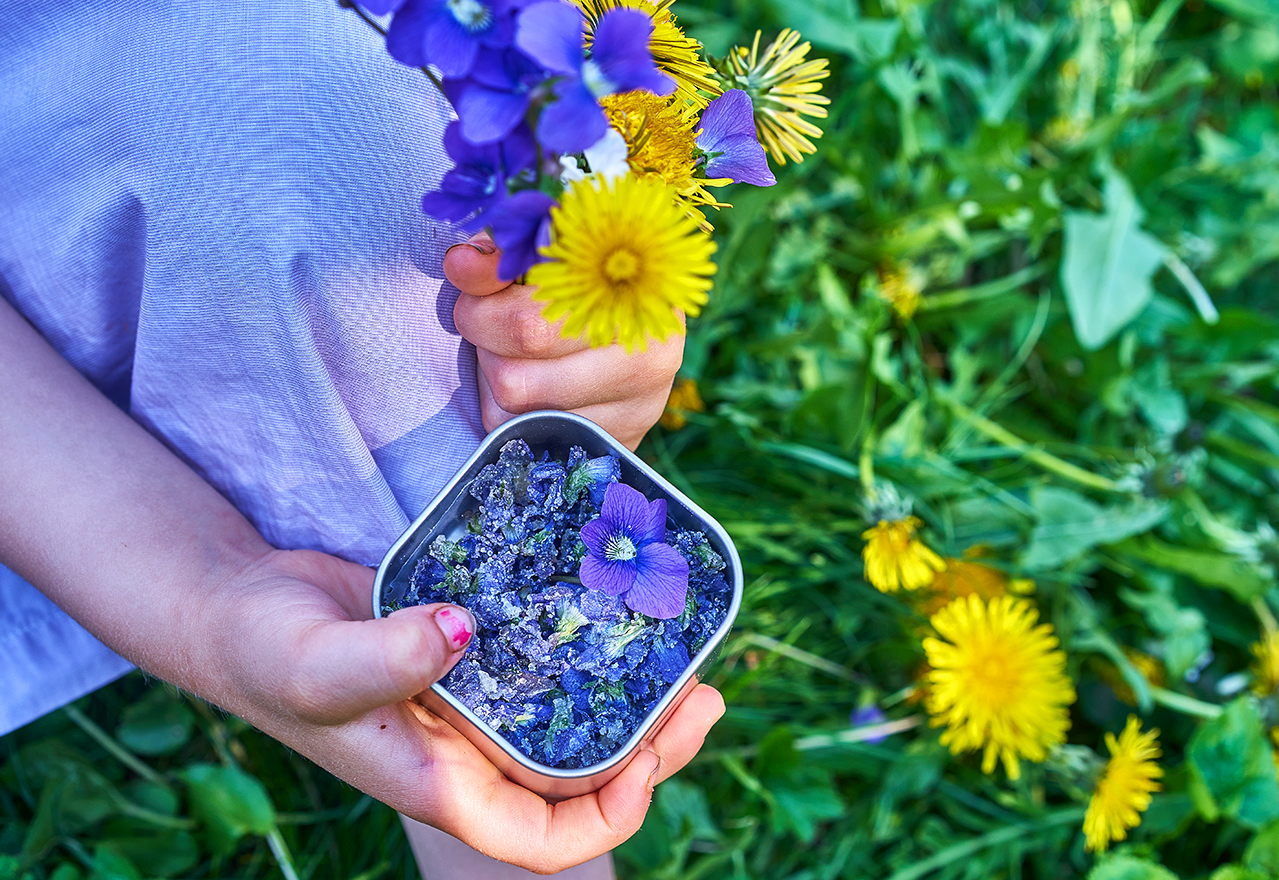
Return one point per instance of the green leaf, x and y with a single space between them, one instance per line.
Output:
1107 263
1262 853
1208 567
1124 867
157 724
1230 758
801 808
110 864
1070 524
1261 10
230 802
684 807
1185 630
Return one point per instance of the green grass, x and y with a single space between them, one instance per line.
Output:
1102 419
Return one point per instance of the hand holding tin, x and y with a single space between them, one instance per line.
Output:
525 365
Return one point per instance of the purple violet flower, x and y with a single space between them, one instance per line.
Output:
866 716
551 33
520 225
728 138
495 98
478 179
627 557
447 34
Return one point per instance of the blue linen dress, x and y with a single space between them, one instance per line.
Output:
211 209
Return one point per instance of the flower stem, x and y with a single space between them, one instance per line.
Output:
371 22
1184 704
1045 460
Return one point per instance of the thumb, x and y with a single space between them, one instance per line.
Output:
348 668
472 266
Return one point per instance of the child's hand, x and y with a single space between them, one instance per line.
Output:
525 365
308 670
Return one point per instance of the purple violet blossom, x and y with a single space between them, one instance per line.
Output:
551 33
495 98
478 178
627 556
520 225
447 34
727 136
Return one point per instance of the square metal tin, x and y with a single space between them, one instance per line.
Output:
555 432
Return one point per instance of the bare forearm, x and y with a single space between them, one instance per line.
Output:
101 516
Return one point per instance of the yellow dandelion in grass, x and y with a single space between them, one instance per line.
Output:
661 136
675 54
683 399
901 287
964 577
625 262
998 681
895 559
1265 667
784 88
1123 791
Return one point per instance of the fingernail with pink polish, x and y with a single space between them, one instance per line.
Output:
457 624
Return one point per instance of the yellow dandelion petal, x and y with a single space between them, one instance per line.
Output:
674 53
784 88
684 398
1265 668
661 136
900 287
998 681
1123 791
625 263
895 559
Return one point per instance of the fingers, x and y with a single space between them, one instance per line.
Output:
682 736
343 669
510 323
472 266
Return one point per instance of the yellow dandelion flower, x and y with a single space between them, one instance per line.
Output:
661 136
963 577
784 88
1123 791
998 681
1150 668
1265 668
900 287
625 262
675 54
683 399
895 559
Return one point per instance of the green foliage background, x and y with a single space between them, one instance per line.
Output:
1088 194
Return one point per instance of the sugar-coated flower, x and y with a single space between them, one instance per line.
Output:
478 178
676 55
627 555
895 559
728 139
783 87
551 33
624 261
448 34
997 681
520 225
1123 791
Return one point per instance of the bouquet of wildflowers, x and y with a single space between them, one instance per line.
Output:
589 140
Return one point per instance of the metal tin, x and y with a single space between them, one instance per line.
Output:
555 432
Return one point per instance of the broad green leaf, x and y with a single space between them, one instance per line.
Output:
1208 567
111 864
1069 524
1124 867
1262 853
1237 872
1107 264
801 808
1261 10
157 724
230 802
684 807
1230 759
1185 630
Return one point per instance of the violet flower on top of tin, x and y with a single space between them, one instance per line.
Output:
627 558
